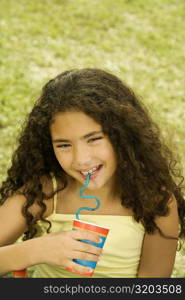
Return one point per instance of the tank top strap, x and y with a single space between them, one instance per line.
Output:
54 181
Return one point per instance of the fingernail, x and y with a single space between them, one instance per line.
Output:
89 270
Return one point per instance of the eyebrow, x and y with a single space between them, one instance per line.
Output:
83 137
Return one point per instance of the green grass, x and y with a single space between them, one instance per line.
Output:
140 41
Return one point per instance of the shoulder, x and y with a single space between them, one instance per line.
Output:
169 224
12 219
34 209
18 200
158 253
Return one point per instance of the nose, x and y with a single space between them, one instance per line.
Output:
81 156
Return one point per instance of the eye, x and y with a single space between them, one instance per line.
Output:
95 139
63 146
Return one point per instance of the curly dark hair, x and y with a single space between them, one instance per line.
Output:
146 166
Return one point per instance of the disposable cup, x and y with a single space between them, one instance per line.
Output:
20 273
100 231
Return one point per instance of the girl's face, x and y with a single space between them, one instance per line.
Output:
80 146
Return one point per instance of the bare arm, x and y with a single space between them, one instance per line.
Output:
58 249
13 224
19 256
158 253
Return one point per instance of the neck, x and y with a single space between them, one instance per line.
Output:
106 194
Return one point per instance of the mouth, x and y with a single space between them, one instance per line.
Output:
93 171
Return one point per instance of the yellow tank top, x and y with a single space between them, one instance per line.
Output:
122 247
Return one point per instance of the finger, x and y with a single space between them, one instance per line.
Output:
85 256
85 235
88 248
77 268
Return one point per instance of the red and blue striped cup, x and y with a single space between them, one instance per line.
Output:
100 231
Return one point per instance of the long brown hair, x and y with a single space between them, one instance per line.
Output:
146 167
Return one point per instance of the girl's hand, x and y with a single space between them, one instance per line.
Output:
61 248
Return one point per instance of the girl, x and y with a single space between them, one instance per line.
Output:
89 119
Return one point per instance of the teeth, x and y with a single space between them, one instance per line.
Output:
90 171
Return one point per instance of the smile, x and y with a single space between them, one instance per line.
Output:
92 171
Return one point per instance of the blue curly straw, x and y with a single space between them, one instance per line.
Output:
87 197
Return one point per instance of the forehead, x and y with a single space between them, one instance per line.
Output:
72 124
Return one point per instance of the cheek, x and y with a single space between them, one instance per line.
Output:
110 156
63 159
107 155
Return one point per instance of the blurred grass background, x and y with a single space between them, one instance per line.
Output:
141 41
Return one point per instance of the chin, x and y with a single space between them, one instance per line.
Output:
96 185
